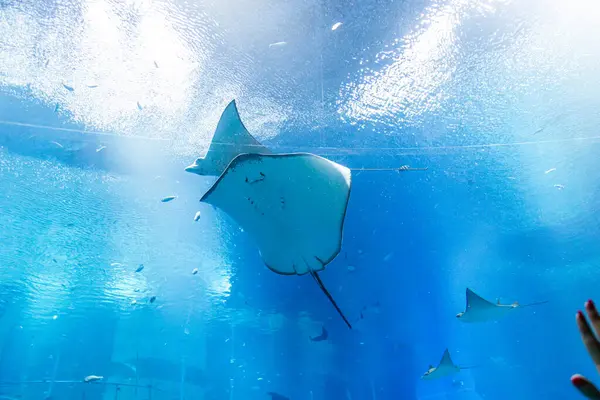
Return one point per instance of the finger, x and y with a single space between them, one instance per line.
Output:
593 315
585 387
589 339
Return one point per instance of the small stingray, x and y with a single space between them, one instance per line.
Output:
231 139
277 396
293 205
140 268
155 64
152 299
139 106
92 86
480 310
69 88
446 367
323 336
197 216
168 199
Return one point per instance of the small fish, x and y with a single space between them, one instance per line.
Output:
57 144
197 216
57 107
93 378
47 62
99 149
559 186
351 268
336 25
92 86
116 264
152 299
550 170
69 88
139 106
140 268
278 44
323 336
194 271
168 199
155 64
388 257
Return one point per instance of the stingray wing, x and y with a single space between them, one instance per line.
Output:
293 205
231 139
476 302
446 360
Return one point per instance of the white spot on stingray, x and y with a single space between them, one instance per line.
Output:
336 25
194 271
197 216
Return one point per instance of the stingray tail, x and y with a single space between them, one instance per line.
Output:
315 275
537 303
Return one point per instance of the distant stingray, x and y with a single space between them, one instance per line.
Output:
323 336
277 396
445 368
480 310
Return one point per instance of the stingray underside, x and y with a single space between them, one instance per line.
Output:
231 139
293 205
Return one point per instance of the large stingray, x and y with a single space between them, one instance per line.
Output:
446 367
480 310
293 205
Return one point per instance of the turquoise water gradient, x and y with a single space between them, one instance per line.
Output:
104 103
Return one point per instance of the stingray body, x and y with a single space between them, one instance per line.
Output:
293 205
446 367
479 309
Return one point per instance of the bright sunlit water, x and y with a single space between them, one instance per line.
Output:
103 103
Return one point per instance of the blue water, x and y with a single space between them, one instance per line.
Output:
498 98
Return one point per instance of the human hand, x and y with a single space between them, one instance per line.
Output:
592 344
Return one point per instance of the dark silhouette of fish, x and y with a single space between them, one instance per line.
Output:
323 336
152 299
140 268
69 88
277 396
